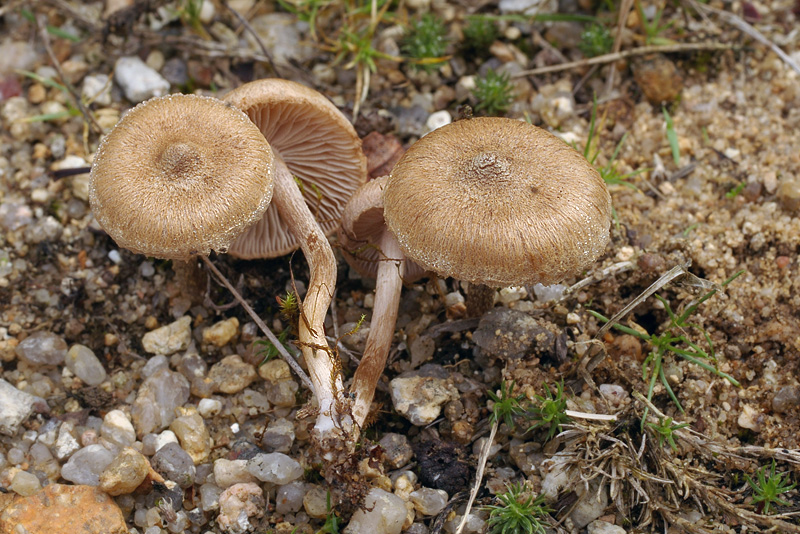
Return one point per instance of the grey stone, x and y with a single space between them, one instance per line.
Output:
17 406
42 348
507 333
138 81
174 464
82 361
170 338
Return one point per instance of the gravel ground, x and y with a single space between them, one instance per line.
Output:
131 389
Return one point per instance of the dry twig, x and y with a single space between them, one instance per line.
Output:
641 51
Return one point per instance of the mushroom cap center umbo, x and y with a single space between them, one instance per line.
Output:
488 168
497 201
180 162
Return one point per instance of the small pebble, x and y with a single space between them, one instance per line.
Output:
382 513
125 473
232 374
17 407
174 464
193 435
276 468
42 348
221 333
84 467
237 505
170 338
428 501
25 484
138 81
82 361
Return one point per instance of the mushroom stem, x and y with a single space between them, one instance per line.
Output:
388 286
322 365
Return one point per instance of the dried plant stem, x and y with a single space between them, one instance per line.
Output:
267 332
610 58
487 447
40 22
247 26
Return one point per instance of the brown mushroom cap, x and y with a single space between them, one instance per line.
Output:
320 148
362 226
499 202
181 175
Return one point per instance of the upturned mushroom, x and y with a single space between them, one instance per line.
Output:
487 200
315 149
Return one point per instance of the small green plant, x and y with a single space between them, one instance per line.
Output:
608 172
733 193
653 28
674 340
306 11
506 405
494 93
768 486
672 138
266 350
479 34
549 411
425 42
518 512
71 110
596 40
189 13
332 521
665 430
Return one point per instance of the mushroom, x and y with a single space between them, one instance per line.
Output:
498 202
180 176
487 200
372 250
316 148
162 186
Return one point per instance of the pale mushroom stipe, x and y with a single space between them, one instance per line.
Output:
372 250
315 148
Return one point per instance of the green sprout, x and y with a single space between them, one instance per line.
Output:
266 350
506 405
596 40
479 34
674 341
518 512
549 411
768 487
665 430
494 93
733 193
332 521
672 138
425 42
653 28
608 172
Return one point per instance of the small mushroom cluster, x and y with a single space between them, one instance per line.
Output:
180 176
275 166
486 200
